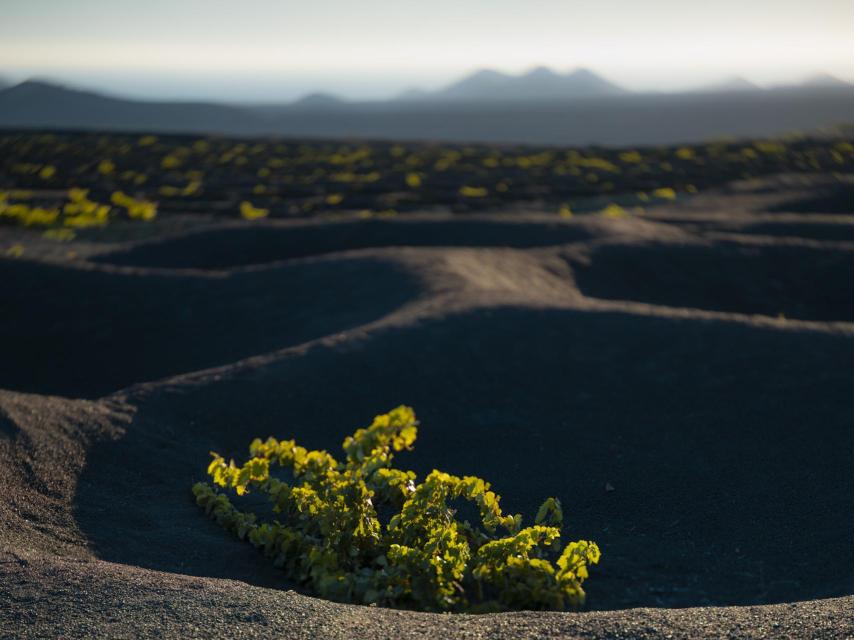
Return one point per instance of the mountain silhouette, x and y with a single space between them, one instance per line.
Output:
618 118
318 101
40 104
731 83
824 80
540 83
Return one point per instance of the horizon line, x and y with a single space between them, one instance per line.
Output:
56 79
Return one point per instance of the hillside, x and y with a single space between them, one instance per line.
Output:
34 104
540 83
587 118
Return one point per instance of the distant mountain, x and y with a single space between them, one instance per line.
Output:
540 83
479 85
616 119
42 104
313 102
824 80
318 101
732 83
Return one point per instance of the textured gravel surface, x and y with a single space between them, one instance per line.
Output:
682 382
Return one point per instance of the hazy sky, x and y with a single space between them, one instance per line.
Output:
277 49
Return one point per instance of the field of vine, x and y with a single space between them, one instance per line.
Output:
658 338
76 180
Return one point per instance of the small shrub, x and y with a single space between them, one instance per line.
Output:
249 212
360 530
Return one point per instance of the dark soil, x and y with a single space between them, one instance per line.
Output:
793 281
638 370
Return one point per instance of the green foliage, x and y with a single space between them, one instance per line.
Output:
146 178
359 530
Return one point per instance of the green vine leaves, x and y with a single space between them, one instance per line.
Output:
360 530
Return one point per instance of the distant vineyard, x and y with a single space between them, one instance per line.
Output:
362 531
141 176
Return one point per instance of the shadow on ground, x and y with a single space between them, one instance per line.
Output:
258 244
827 231
793 281
728 447
87 332
838 198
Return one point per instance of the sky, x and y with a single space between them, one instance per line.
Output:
269 50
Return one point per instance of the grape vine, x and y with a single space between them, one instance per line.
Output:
362 531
